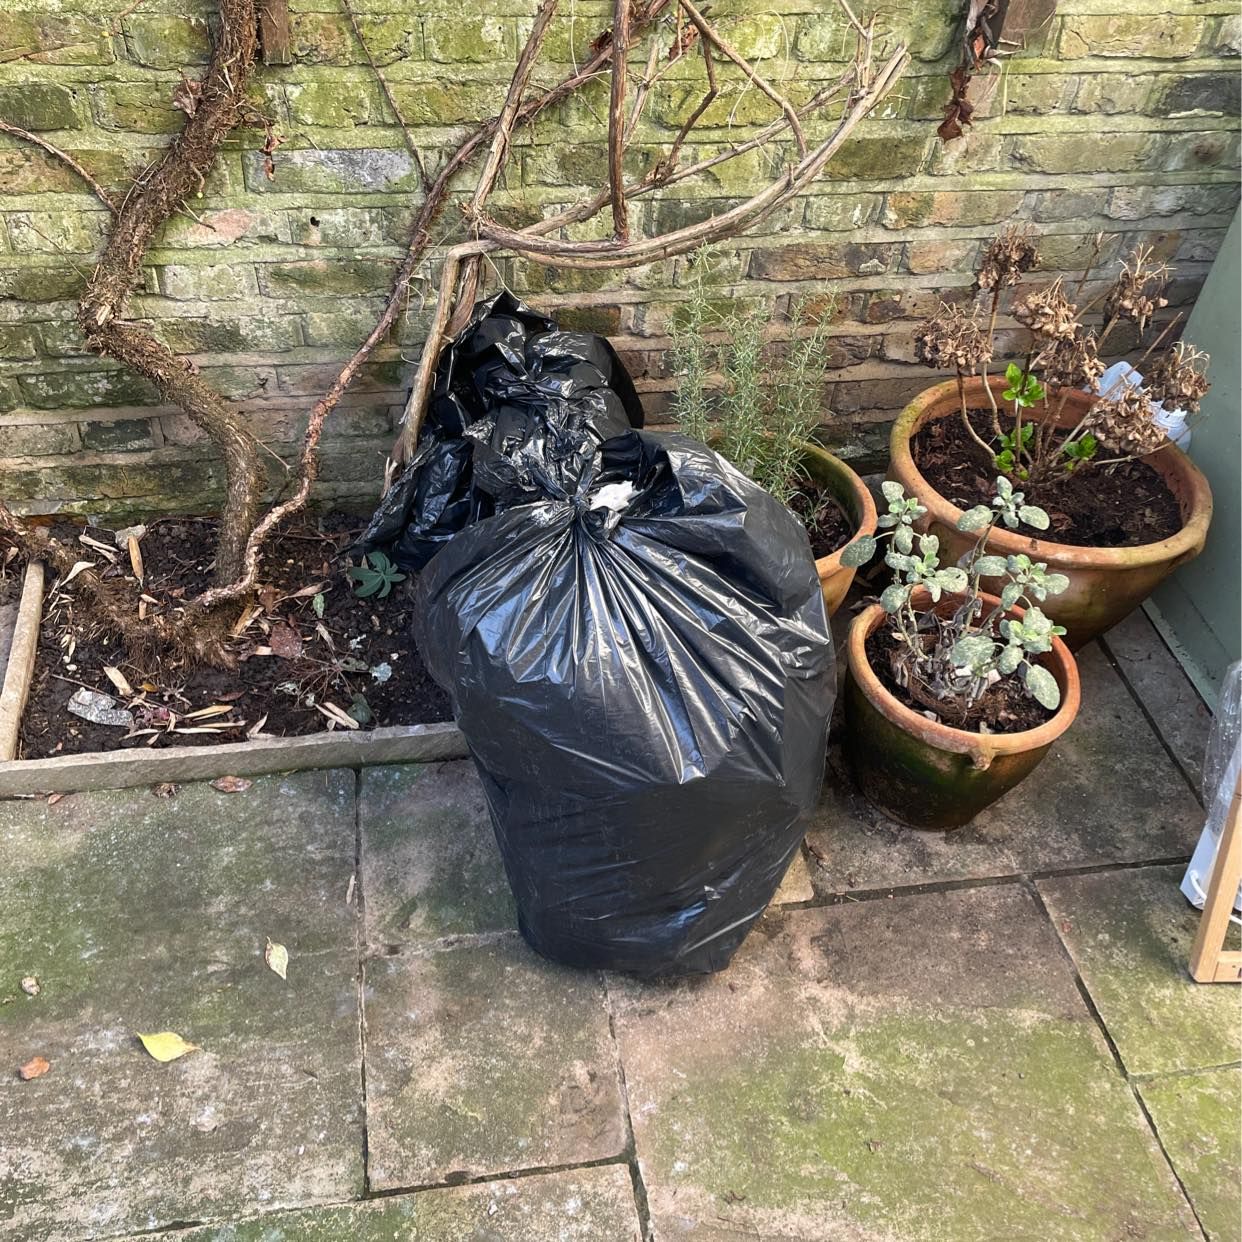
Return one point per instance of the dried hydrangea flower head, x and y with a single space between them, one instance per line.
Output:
952 340
1048 313
1178 379
1070 361
1127 422
1135 294
1006 258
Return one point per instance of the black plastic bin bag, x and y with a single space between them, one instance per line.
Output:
642 667
496 383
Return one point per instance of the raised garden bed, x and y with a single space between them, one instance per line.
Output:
320 677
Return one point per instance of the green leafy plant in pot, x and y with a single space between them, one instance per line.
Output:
953 695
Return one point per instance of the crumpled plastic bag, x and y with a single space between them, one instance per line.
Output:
509 384
640 661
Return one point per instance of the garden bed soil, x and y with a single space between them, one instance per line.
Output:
1117 506
1004 708
827 524
356 655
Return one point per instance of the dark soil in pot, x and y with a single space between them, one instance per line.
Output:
827 524
1004 708
291 660
1111 507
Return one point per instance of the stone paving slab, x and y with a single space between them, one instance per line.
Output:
1165 691
920 1068
1130 934
430 866
483 1059
144 914
1107 792
582 1205
1197 1118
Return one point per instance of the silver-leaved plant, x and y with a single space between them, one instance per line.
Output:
948 662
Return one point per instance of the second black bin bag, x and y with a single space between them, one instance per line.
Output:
641 664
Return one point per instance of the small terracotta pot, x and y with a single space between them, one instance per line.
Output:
832 475
1105 583
930 775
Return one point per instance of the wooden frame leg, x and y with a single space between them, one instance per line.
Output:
1209 963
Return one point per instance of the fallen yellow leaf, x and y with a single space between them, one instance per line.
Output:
36 1067
166 1045
277 958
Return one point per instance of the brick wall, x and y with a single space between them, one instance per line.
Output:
1120 117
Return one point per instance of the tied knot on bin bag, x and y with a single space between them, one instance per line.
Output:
634 640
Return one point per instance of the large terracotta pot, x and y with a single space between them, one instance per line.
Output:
832 475
1105 583
930 775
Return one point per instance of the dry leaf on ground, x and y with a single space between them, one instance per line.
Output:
231 784
31 986
166 1045
36 1067
277 958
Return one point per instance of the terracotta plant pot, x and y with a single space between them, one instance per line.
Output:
832 475
1105 583
926 774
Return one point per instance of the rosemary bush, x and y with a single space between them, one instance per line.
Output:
766 400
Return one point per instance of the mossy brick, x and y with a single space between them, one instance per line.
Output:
1191 151
326 277
1196 1117
361 170
268 333
1228 37
1071 252
930 29
241 383
816 261
207 282
18 341
974 152
333 104
1109 93
39 439
63 339
1215 93
823 38
921 1068
23 171
1085 153
1167 36
53 390
41 106
159 42
534 278
339 327
136 108
601 319
477 40
301 379
887 305
926 258
392 37
343 226
834 212
1134 202
10 397
1047 206
323 39
40 284
876 158
55 39
759 37
354 461
443 102
118 435
225 226
57 232
907 209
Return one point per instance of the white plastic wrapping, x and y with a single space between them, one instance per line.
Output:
1221 765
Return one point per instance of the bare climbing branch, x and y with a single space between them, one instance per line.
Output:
616 118
26 136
